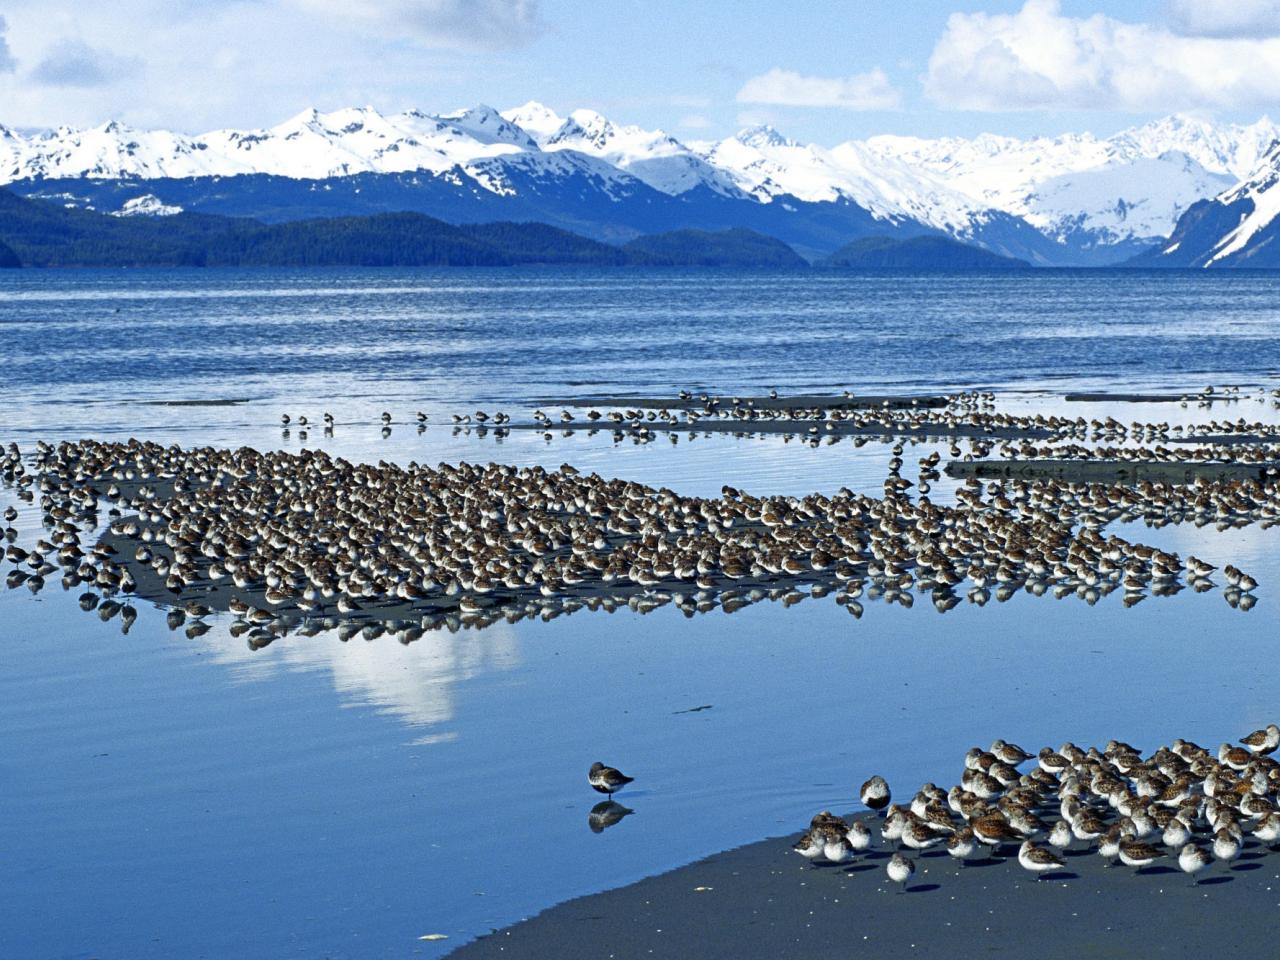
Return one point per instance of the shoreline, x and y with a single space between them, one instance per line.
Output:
764 900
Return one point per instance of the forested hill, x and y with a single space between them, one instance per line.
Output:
919 255
737 247
38 233
42 234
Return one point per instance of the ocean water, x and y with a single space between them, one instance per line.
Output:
162 796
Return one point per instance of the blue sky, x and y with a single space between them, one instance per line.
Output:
823 71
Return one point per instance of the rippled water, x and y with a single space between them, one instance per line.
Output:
162 797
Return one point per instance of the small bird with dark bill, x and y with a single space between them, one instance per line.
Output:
607 779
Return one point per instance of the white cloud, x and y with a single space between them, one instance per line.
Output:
73 63
1039 59
7 63
1226 18
694 121
786 88
225 63
449 23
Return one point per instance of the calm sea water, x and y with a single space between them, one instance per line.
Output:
163 797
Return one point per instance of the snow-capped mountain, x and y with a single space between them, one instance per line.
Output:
1238 228
768 166
1132 186
1070 199
652 156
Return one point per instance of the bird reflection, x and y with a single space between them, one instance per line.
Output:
605 814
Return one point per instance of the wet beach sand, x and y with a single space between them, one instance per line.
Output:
763 900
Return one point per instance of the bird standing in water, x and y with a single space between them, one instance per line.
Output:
607 779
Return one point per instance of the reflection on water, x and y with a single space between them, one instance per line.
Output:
416 685
606 814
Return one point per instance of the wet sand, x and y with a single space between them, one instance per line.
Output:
763 900
1110 471
796 428
801 401
1133 397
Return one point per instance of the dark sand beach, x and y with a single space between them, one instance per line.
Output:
763 900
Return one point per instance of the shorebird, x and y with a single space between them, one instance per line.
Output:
837 848
858 835
960 844
1192 859
1060 836
1268 828
992 830
917 835
1009 753
607 779
1176 834
894 823
1226 845
899 870
1134 853
810 846
1051 762
1109 844
875 794
1263 741
1037 859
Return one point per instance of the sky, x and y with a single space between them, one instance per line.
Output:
821 71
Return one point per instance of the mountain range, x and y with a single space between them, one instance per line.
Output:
1071 200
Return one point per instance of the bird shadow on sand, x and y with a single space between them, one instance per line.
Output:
984 862
1062 875
860 868
924 887
1154 871
1214 881
1245 867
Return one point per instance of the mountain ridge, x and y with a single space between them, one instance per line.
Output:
1075 199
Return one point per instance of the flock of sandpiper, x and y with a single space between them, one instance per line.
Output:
1184 802
287 540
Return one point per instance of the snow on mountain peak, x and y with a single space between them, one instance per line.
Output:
536 119
763 135
487 125
585 129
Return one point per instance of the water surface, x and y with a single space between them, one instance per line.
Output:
161 796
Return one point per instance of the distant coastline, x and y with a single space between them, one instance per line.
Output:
36 233
39 233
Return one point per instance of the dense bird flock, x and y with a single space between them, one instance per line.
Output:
1191 805
280 535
